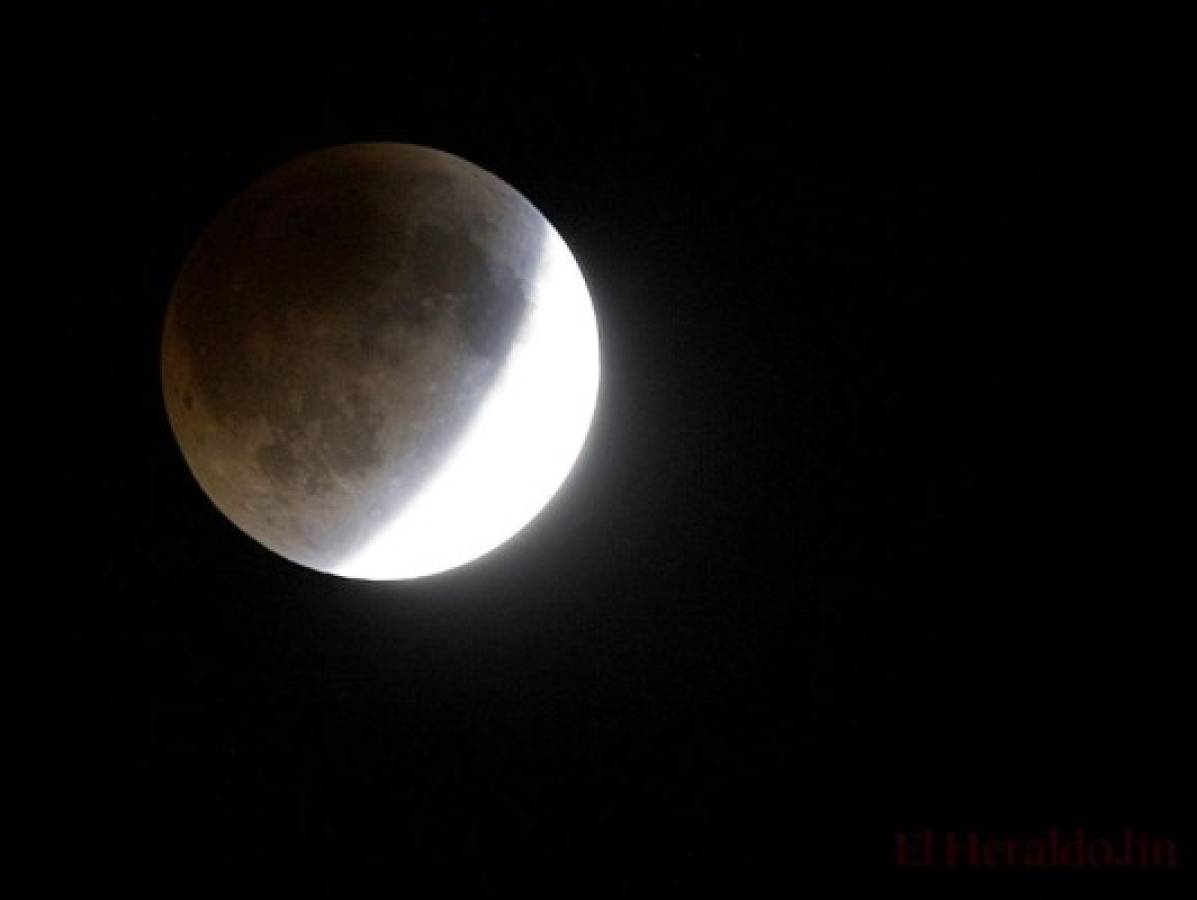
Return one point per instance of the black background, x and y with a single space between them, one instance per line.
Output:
865 536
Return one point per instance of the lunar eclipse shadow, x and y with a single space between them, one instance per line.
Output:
343 328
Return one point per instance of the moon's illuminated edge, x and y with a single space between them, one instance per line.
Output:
518 449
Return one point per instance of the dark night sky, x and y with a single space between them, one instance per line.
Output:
858 540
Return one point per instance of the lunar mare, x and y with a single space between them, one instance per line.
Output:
380 361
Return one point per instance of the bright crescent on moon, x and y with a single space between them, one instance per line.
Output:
519 448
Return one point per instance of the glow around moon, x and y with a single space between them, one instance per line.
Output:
380 361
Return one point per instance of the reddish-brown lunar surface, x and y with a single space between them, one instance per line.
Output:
380 361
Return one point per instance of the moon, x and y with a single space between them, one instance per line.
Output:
380 361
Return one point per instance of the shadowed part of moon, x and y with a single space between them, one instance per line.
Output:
334 331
